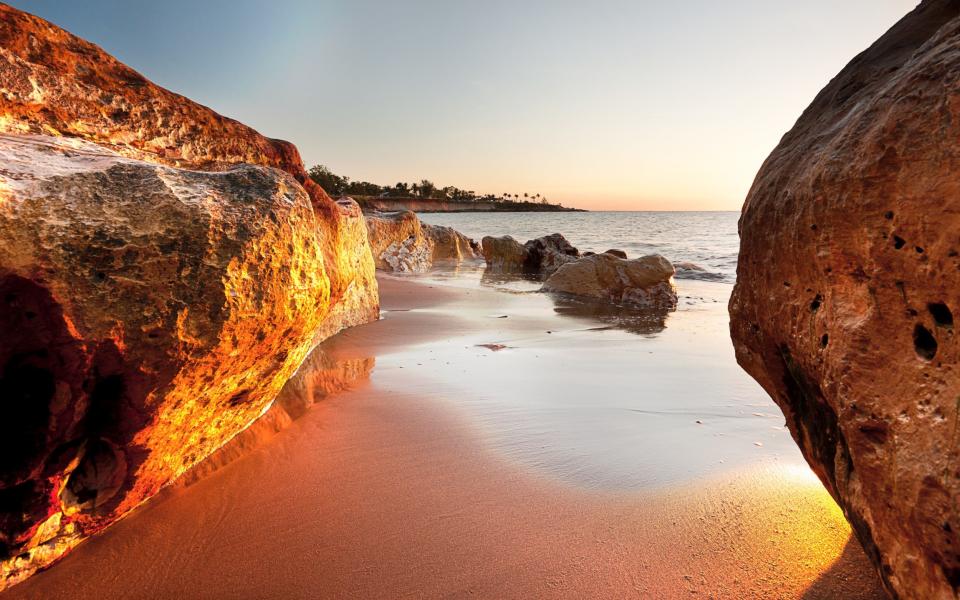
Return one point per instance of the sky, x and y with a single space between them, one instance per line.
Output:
604 104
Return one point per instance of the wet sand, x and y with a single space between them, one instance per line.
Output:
447 469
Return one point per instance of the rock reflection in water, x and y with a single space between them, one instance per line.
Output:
323 373
633 319
510 282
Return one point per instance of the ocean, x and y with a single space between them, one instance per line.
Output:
707 239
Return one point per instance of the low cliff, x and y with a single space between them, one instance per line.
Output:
420 205
163 271
848 279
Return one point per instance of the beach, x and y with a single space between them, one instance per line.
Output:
448 450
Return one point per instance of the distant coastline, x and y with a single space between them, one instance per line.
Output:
425 196
437 205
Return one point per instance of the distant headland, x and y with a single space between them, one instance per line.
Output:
425 196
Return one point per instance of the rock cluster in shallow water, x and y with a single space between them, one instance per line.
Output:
848 285
644 282
163 271
610 277
402 243
538 257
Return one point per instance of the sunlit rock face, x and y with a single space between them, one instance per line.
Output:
848 282
52 82
149 313
401 242
645 282
163 271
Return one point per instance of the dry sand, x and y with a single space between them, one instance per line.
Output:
391 490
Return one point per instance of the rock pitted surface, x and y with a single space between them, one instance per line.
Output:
644 282
54 83
402 243
163 271
848 282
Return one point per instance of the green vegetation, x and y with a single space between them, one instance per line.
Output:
338 185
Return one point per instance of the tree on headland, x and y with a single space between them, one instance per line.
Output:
330 182
338 185
426 188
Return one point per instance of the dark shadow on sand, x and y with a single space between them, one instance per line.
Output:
850 577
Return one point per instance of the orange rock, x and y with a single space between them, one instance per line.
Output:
163 272
56 83
848 279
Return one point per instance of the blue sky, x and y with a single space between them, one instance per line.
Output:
603 104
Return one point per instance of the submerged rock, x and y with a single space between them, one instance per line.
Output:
644 282
163 271
401 242
848 280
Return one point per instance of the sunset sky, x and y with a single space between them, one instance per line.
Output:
607 104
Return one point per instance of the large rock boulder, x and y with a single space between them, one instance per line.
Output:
401 242
163 272
503 253
848 279
643 282
538 257
52 82
397 242
451 245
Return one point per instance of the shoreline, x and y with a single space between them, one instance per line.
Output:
391 488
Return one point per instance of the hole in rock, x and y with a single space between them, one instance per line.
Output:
815 305
105 402
888 215
941 314
898 242
924 342
824 340
96 479
25 394
953 576
39 360
239 398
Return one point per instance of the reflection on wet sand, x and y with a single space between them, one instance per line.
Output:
449 471
325 371
642 321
